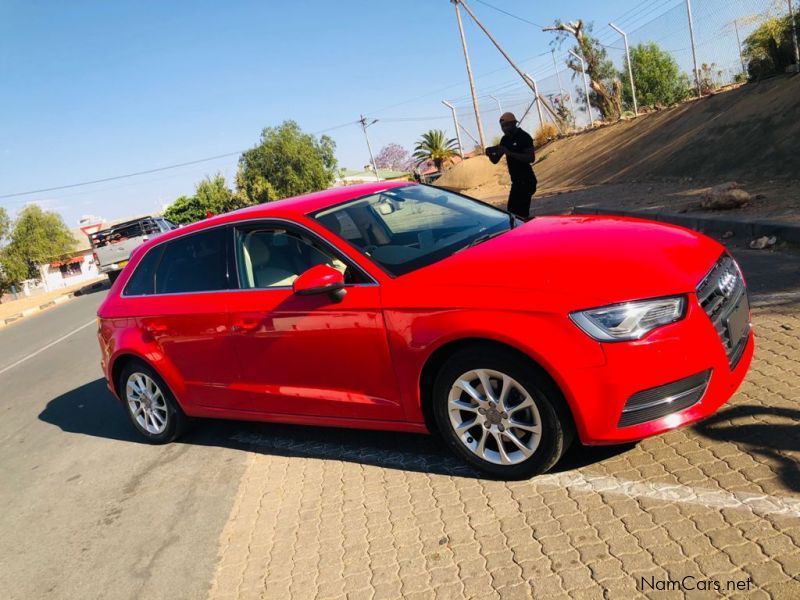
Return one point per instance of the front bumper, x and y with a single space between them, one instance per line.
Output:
671 353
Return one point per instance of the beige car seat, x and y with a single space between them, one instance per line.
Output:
262 266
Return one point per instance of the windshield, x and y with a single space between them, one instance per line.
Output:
407 228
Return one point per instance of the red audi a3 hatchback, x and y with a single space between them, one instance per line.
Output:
409 308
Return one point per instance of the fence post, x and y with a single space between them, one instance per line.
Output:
585 87
694 49
794 38
630 68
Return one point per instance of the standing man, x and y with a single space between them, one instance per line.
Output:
517 146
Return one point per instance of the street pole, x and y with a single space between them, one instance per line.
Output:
364 126
585 87
794 38
538 100
469 74
455 122
694 49
500 108
630 68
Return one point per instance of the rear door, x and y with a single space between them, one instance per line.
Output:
184 309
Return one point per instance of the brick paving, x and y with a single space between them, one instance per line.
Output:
347 514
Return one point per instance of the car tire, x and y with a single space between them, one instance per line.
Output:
112 276
149 404
531 401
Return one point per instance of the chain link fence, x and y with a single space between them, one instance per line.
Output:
720 30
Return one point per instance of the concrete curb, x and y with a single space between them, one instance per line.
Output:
741 228
36 309
54 302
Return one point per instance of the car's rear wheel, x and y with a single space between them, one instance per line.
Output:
500 413
149 403
112 276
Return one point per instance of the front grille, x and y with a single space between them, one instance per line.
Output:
720 293
664 400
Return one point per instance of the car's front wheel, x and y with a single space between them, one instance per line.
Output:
149 403
500 413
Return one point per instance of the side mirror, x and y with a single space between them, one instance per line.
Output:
385 207
321 279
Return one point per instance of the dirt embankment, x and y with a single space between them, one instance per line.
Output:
750 134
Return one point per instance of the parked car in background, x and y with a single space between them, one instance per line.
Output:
112 247
404 307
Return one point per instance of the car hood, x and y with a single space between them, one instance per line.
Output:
585 261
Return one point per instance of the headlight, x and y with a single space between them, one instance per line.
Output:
629 321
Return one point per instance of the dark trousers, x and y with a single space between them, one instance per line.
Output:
519 198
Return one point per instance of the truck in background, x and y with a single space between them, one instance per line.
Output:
112 247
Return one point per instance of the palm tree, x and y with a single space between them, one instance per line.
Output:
436 147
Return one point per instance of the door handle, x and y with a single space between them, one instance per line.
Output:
245 324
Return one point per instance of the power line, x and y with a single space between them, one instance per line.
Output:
147 171
512 15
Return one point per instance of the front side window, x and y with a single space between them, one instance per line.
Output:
275 257
407 228
193 263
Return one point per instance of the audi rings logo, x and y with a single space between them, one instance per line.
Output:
727 283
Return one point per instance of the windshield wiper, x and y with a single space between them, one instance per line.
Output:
480 239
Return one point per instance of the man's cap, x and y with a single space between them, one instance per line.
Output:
508 118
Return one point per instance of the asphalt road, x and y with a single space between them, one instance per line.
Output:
86 511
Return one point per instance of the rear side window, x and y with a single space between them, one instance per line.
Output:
193 263
142 282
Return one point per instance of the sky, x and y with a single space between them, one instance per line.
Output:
98 89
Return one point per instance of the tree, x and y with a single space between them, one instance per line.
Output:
434 146
185 209
606 88
286 162
659 81
394 157
37 237
769 49
212 195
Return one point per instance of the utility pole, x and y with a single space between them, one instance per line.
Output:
503 52
364 126
630 68
455 122
499 108
794 39
694 50
469 73
585 86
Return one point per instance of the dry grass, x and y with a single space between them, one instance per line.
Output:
544 134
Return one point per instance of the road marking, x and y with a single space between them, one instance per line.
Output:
760 504
50 345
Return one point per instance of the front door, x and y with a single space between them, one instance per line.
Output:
307 355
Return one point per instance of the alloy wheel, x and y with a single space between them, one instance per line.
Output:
494 417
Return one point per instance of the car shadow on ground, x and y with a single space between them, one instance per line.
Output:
99 286
91 410
767 431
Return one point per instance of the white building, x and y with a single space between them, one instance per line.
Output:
77 268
